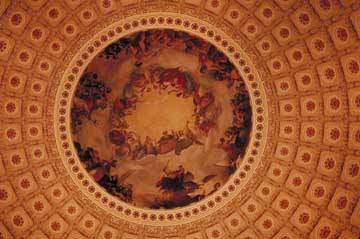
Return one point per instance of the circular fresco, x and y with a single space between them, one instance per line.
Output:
161 119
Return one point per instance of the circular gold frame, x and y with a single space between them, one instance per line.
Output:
192 212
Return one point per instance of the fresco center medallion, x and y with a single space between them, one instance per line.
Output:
161 119
161 112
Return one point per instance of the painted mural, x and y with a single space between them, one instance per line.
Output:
161 119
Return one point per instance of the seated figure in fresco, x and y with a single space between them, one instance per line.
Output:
182 142
138 151
206 112
127 143
176 79
138 83
167 142
186 139
150 147
123 107
177 141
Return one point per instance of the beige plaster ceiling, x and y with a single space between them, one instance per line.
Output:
300 176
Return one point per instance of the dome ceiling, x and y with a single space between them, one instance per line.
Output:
78 78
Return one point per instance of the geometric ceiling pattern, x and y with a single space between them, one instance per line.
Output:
307 57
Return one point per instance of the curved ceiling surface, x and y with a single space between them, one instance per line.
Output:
180 119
